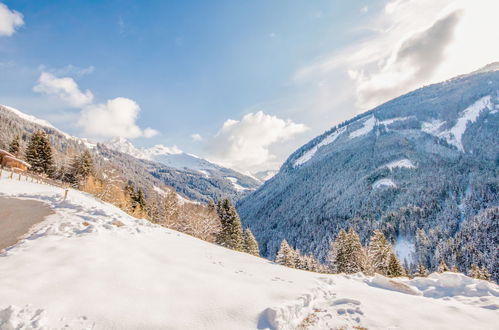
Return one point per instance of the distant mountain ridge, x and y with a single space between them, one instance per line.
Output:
422 167
149 169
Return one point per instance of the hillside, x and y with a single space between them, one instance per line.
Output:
422 167
147 172
96 267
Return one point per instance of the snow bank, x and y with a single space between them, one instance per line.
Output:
90 265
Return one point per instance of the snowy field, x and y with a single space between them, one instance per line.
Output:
91 266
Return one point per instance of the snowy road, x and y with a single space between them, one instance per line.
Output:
17 216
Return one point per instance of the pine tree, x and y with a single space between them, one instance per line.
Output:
475 271
484 274
231 235
39 154
15 146
379 253
250 243
442 267
346 254
395 269
421 272
286 255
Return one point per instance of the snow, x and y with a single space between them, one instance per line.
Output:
368 126
235 183
402 163
392 120
37 121
432 127
327 140
30 118
384 183
404 249
469 115
78 269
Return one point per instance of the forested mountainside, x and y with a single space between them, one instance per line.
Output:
423 168
149 175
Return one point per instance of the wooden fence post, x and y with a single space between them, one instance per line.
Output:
11 175
66 193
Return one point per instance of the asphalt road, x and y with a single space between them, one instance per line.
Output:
17 216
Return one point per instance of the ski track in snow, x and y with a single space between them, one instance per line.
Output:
90 254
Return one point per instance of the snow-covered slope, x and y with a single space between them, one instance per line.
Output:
91 266
425 161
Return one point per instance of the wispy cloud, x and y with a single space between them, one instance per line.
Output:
10 20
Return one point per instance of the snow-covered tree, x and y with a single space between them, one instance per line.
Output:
250 243
395 269
484 274
379 251
442 267
15 146
475 271
39 154
286 255
421 272
347 254
231 235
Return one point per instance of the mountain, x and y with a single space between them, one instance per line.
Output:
149 169
89 254
175 158
265 175
423 168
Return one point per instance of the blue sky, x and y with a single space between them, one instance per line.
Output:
252 79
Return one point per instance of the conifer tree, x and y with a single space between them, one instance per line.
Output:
475 271
442 267
379 253
81 168
347 254
15 146
395 269
39 154
484 274
421 272
250 243
286 255
231 234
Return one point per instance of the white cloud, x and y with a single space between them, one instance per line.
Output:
10 20
408 44
196 137
115 118
64 88
364 9
246 144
